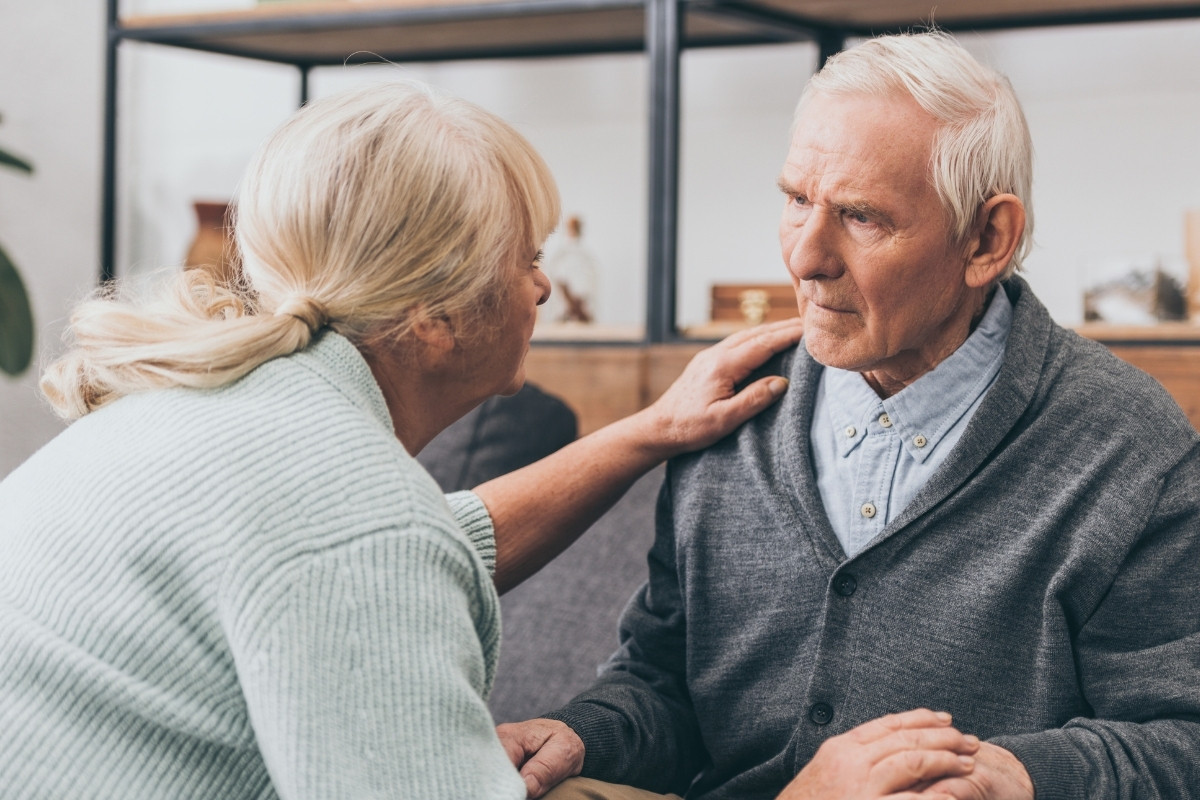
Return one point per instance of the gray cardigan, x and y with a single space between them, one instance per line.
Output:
1044 587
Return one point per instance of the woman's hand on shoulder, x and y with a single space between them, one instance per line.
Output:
704 404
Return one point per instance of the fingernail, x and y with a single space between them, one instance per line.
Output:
966 761
944 716
777 386
971 739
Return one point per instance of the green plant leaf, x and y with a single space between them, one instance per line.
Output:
9 160
16 320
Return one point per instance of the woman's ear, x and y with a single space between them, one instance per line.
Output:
426 341
436 333
1000 224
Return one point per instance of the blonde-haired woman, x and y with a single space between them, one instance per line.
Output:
229 578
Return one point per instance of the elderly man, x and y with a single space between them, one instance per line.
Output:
959 506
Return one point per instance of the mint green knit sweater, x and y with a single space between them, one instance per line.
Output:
247 592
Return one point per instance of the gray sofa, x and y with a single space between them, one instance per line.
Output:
561 624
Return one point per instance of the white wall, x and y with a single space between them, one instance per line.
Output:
1115 117
51 57
1114 110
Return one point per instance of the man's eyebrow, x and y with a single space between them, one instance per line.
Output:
863 207
866 209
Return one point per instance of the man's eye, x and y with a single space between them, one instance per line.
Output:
859 217
800 200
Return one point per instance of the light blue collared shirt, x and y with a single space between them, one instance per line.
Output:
873 456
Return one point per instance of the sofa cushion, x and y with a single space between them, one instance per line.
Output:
561 624
500 435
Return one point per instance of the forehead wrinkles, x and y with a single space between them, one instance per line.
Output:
828 179
852 158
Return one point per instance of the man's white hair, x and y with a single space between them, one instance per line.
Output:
982 147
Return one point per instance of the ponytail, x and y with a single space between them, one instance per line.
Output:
200 334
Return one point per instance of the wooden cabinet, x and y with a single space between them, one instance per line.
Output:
604 384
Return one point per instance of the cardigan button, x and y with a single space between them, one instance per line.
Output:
845 585
821 713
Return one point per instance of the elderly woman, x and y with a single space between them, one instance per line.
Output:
230 578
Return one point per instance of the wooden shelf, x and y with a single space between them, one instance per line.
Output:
413 30
1161 334
329 33
878 16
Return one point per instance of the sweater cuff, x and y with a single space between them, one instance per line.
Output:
472 516
601 735
1056 767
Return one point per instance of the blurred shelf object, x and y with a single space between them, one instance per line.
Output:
752 303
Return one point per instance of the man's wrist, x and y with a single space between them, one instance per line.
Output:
599 736
1056 768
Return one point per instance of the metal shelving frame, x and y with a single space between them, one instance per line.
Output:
665 32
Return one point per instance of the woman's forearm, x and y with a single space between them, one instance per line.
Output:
540 510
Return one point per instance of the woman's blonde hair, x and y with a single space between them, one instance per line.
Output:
363 211
983 147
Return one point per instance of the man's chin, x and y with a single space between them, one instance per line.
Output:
824 350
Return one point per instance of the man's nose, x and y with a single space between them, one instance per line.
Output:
812 249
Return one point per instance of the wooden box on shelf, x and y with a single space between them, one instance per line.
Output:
752 303
740 305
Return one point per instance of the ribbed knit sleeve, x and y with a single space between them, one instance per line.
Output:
472 516
360 666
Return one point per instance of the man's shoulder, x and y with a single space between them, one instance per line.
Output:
1078 383
1083 375
761 439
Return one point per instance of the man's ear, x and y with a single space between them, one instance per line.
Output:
998 231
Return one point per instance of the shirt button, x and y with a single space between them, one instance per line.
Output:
845 585
920 441
885 420
821 713
868 510
851 431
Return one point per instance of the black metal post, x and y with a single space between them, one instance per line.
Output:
663 34
108 196
831 42
304 70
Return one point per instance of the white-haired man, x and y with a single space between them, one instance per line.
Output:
960 506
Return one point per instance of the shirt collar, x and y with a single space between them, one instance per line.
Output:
925 410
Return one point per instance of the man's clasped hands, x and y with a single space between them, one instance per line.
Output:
904 756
